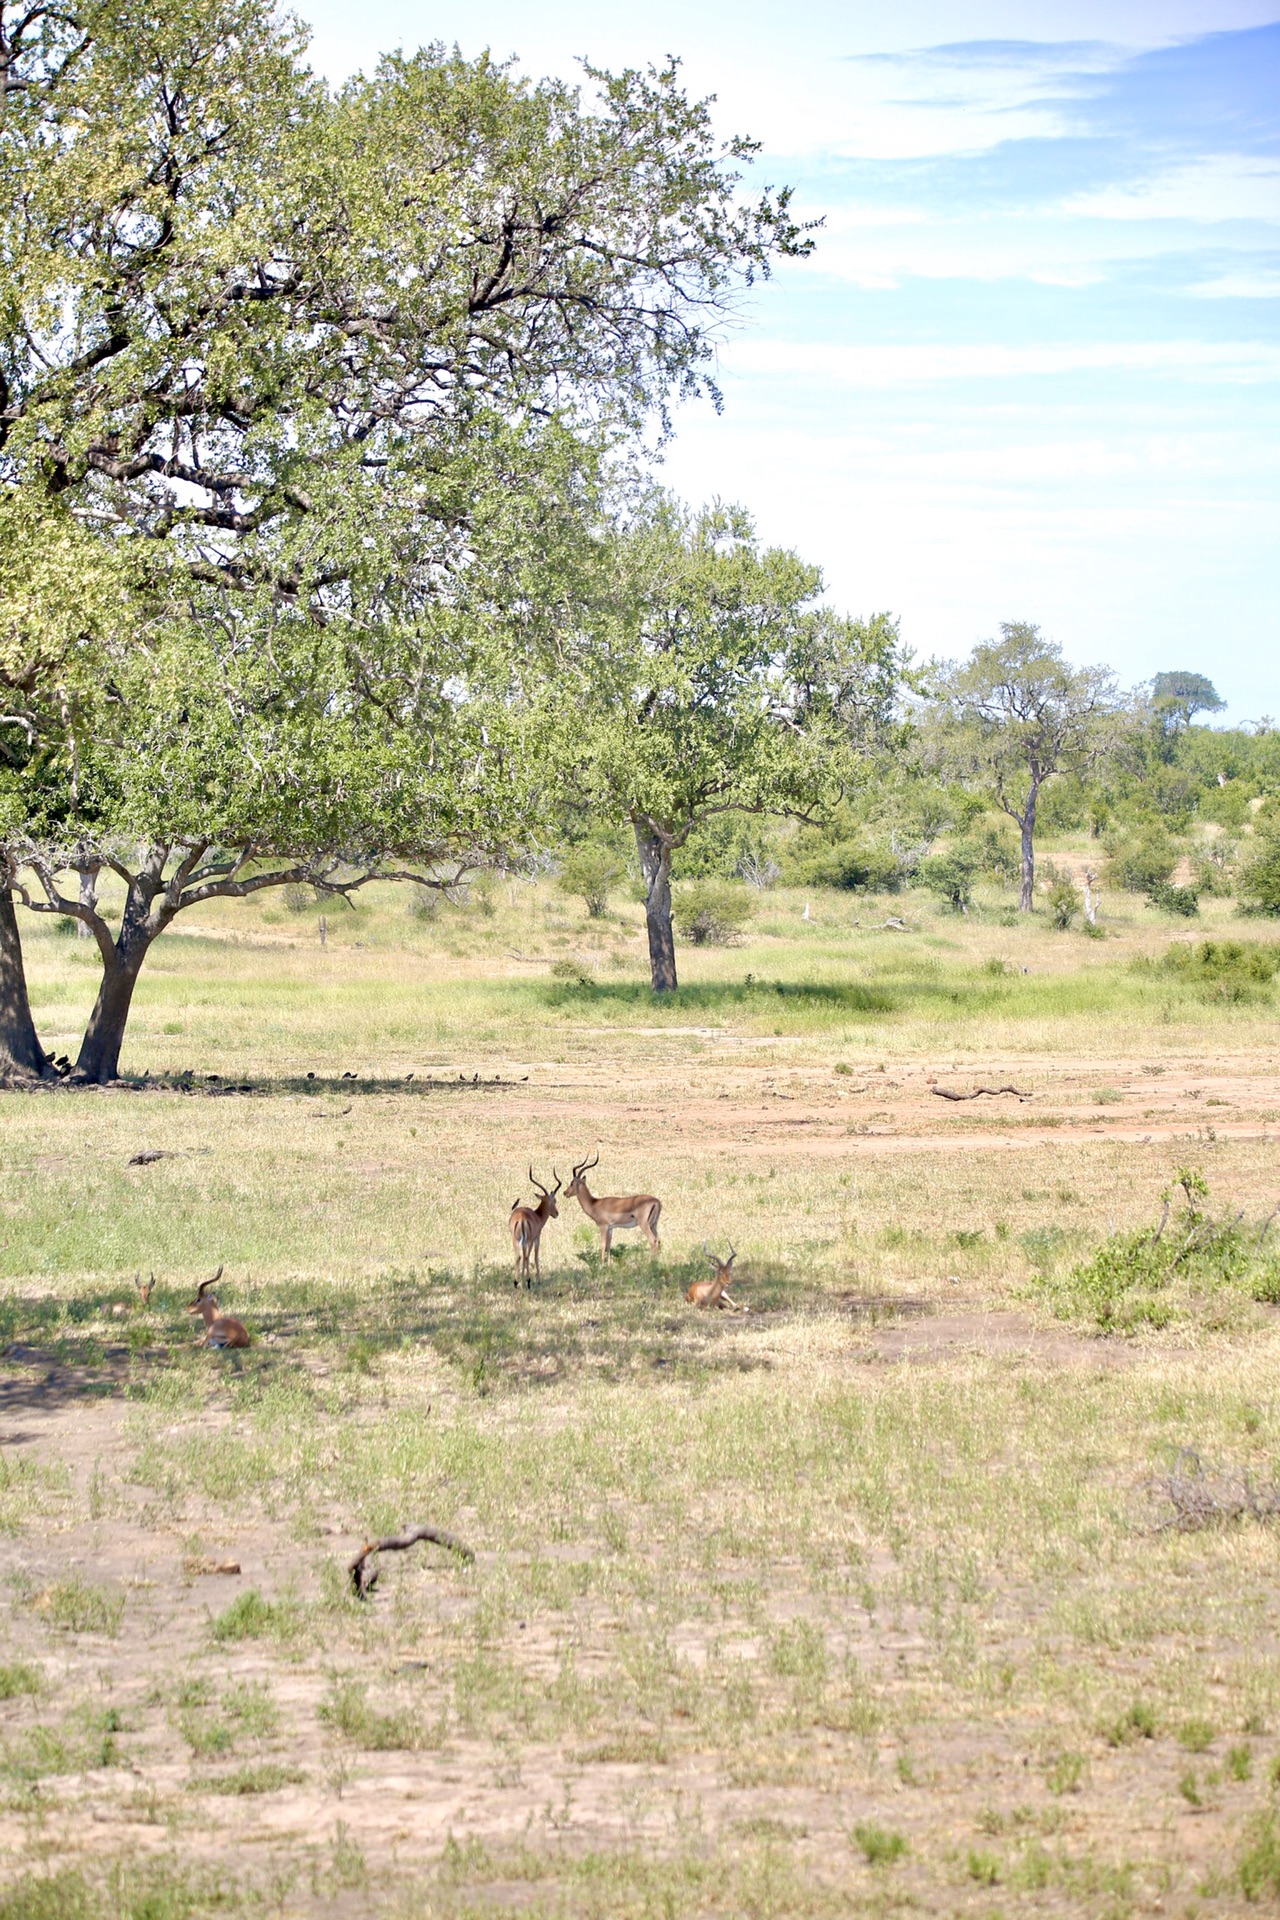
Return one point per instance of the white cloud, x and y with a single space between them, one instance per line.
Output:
883 366
1240 286
1225 186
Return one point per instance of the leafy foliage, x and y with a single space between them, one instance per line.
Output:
1184 901
1146 1277
1260 877
712 912
590 872
1230 970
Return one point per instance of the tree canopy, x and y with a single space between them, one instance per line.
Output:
712 683
333 381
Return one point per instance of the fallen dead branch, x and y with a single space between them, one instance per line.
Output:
365 1578
953 1093
150 1154
1201 1497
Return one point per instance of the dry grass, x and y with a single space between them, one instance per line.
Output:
850 1603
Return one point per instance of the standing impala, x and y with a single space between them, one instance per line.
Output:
613 1210
527 1224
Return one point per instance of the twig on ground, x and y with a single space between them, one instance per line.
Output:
340 1115
1201 1498
364 1578
148 1154
952 1093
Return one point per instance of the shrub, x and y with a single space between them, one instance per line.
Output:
997 852
299 898
590 873
1171 899
1213 867
1230 970
1127 1281
1062 896
1143 861
423 903
950 876
851 866
712 912
1259 886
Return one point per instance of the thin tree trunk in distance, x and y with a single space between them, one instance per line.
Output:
1028 824
20 1049
655 863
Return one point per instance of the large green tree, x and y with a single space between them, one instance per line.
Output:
1014 715
342 370
712 683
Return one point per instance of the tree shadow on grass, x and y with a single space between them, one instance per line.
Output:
628 1319
714 996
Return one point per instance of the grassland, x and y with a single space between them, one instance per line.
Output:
863 1601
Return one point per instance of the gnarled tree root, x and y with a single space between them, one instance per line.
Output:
364 1578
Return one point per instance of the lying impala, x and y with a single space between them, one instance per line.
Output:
221 1329
714 1292
527 1224
613 1210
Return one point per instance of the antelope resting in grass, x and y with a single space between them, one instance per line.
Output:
712 1293
613 1210
221 1330
527 1224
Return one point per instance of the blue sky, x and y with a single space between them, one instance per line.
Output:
1033 368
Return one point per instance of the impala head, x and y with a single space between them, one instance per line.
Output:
578 1181
200 1302
721 1266
548 1194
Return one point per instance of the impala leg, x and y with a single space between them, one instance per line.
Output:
606 1237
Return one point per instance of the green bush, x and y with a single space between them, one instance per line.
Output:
1170 899
1214 868
590 873
1143 861
1146 1277
950 876
712 912
849 865
1062 897
1227 970
1259 885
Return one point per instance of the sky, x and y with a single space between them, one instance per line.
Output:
1032 369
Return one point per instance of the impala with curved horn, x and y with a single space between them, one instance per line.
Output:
610 1211
220 1329
527 1224
712 1293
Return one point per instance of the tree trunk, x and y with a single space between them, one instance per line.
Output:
655 863
20 1049
88 898
122 959
1028 824
99 1058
